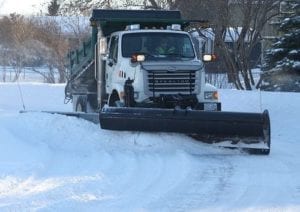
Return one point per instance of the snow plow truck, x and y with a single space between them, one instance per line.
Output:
142 71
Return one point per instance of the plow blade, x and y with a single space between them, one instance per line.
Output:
92 117
232 129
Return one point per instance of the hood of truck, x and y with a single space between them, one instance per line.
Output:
172 66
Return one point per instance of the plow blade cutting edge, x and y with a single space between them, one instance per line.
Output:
231 129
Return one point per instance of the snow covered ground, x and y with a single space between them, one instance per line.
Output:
57 163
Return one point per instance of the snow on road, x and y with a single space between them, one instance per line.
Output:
57 163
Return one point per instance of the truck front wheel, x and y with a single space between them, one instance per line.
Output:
114 100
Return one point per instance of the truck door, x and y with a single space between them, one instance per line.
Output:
111 62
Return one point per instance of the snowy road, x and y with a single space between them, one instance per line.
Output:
56 163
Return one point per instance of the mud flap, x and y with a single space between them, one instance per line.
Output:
232 127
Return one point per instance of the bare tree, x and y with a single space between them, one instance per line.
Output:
52 43
237 24
243 35
2 54
79 7
161 4
14 33
34 41
76 28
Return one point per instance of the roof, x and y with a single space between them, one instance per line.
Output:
106 15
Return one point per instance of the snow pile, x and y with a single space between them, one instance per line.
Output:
57 163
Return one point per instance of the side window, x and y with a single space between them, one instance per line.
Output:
113 49
187 48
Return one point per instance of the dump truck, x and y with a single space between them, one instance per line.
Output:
144 70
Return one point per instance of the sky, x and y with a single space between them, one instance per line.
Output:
24 7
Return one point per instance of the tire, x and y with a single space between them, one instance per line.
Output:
114 99
81 105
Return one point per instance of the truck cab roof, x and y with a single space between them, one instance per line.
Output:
116 20
120 33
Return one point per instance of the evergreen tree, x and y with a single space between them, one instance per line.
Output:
53 8
285 52
283 59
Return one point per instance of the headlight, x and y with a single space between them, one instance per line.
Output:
207 58
212 95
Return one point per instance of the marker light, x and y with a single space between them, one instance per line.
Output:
176 27
133 27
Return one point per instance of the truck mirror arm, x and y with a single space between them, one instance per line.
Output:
110 62
105 57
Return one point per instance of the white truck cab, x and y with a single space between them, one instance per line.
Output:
161 66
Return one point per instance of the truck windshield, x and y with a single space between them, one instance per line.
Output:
157 45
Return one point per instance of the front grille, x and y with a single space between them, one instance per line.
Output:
171 82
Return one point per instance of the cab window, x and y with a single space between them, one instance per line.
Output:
113 49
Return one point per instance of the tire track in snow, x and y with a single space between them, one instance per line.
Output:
149 177
252 185
206 182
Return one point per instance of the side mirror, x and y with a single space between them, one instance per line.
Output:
105 57
103 45
110 62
